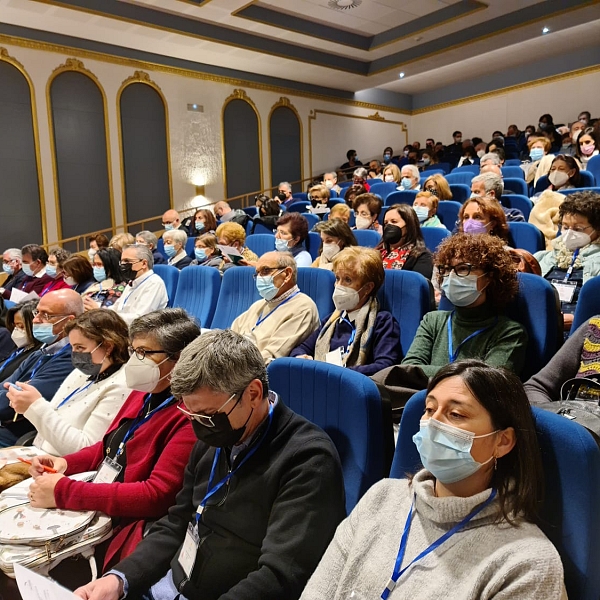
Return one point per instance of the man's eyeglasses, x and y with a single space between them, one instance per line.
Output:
44 316
130 262
461 270
206 420
142 352
265 271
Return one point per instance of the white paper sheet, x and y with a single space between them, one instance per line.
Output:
20 296
36 587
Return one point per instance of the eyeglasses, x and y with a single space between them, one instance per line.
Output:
44 316
317 199
206 420
142 352
130 262
461 270
577 229
265 271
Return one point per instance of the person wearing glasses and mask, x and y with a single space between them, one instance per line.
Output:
46 368
285 316
262 495
11 265
575 256
55 269
145 291
141 459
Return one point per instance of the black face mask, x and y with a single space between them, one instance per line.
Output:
281 196
83 362
392 234
222 435
127 271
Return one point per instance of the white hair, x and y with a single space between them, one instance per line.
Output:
492 157
285 184
414 172
13 253
177 236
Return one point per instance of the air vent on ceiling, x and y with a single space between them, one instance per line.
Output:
344 4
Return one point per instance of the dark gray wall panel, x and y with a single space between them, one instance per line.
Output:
145 152
80 151
286 155
20 214
242 149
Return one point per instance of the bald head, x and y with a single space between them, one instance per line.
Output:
221 209
490 168
58 308
282 267
171 219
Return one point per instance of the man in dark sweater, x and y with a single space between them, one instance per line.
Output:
262 493
12 267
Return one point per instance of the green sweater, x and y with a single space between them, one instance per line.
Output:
504 344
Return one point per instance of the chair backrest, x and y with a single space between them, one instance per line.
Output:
512 162
569 515
384 189
515 172
312 219
373 180
251 211
238 292
160 246
525 236
516 185
434 236
593 167
345 184
333 194
367 237
189 245
448 213
258 228
170 275
466 169
300 196
581 189
460 192
542 184
522 203
318 284
198 292
260 243
405 294
344 403
464 175
313 244
300 206
535 308
441 166
588 179
401 197
333 201
427 173
588 303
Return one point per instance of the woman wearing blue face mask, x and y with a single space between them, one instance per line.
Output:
174 244
110 283
464 526
206 253
54 269
425 207
291 235
202 222
541 160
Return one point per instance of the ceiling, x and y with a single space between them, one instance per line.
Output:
433 42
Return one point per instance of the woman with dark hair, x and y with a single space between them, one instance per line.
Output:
269 212
203 221
402 246
469 156
335 236
480 214
109 284
55 269
564 173
367 208
291 234
78 273
206 252
97 241
467 521
353 192
588 145
548 129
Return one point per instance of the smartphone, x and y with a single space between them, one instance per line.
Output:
17 387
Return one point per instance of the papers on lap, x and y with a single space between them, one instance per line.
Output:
36 587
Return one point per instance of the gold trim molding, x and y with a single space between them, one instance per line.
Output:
143 78
284 102
7 58
75 64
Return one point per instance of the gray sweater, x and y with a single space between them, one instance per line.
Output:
483 561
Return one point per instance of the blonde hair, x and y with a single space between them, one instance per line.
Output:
340 211
540 138
434 199
231 232
208 240
442 186
365 262
321 190
121 240
395 171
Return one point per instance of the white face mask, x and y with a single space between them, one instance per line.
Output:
70 281
91 254
363 222
19 337
575 239
389 178
329 184
558 178
345 298
480 153
330 250
143 375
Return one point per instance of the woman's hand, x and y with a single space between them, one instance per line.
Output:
307 356
53 462
41 491
20 401
89 304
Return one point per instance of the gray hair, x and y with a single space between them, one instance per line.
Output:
286 184
332 173
148 237
61 255
360 172
414 171
142 253
220 360
286 260
14 253
177 236
493 157
490 181
172 328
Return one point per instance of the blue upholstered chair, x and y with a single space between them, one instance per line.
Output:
593 167
588 179
383 189
460 192
347 406
588 303
442 166
312 219
525 236
260 243
303 196
367 237
313 244
238 292
170 275
467 169
447 212
198 292
318 284
463 175
513 172
522 203
434 236
300 206
516 185
401 197
581 189
251 211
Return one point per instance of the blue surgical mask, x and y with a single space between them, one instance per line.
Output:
169 227
445 451
387 158
406 183
8 269
27 270
199 225
281 245
51 271
170 250
99 274
200 254
422 213
461 291
43 332
266 288
536 153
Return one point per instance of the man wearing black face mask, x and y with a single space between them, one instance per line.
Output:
261 499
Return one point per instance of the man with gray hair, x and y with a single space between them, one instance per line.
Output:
145 290
284 193
411 178
491 158
12 260
262 496
285 316
491 185
147 238
330 181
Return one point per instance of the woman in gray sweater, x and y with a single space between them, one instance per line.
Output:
462 528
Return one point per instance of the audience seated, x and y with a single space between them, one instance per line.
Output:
330 181
145 291
78 273
425 206
391 174
148 239
375 170
437 185
367 208
349 167
285 316
359 177
357 334
46 368
353 192
225 214
491 185
541 160
588 145
96 242
55 269
12 266
469 156
206 252
575 256
291 235
318 196
175 242
410 178
203 221
569 145
171 221
110 282
335 236
269 212
252 546
483 214
340 211
402 245
564 173
234 235
482 477
121 240
34 259
284 194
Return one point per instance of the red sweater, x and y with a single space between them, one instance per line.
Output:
156 458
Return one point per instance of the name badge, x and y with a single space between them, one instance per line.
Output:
108 472
565 289
335 357
187 556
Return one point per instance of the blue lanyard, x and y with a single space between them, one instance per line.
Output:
41 360
12 357
454 355
572 265
138 421
262 319
137 288
77 391
398 572
211 490
352 335
48 288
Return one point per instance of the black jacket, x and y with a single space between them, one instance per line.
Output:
263 534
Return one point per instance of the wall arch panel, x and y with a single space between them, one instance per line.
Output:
285 144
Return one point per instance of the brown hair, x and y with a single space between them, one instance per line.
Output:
79 268
441 184
339 210
365 262
373 203
434 199
209 240
210 223
338 229
492 209
100 239
540 138
232 232
297 223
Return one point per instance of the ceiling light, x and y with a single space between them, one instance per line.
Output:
401 75
545 30
344 4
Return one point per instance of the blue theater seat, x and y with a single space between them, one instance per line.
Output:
313 244
303 196
441 166
513 172
575 190
522 203
301 206
460 192
238 293
260 243
383 189
198 292
588 303
462 176
434 236
312 219
318 284
170 275
593 167
525 236
516 185
367 237
474 169
401 197
447 212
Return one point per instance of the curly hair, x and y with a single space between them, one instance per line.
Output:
485 252
492 209
231 232
586 204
